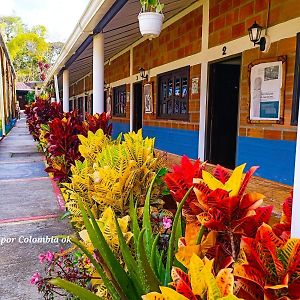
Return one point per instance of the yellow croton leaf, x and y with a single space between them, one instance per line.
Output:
276 287
96 280
231 297
191 232
84 236
170 294
86 239
225 282
167 294
232 185
153 296
197 280
185 253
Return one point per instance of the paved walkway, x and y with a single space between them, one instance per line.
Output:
29 207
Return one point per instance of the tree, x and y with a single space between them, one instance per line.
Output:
28 47
11 26
54 51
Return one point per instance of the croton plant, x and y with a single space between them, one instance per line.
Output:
57 133
219 243
41 112
226 250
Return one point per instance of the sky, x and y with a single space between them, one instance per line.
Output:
59 16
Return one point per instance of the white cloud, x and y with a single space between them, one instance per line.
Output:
59 16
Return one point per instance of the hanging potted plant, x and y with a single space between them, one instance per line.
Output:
151 18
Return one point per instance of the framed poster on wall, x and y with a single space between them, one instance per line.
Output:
148 98
267 86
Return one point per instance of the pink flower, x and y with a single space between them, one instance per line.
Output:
167 223
42 258
49 256
47 66
35 278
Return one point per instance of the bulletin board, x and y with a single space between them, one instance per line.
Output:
267 87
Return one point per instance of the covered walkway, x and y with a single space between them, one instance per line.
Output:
29 209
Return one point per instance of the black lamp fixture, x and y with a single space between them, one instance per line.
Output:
143 73
254 34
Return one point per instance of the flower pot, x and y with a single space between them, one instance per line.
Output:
150 24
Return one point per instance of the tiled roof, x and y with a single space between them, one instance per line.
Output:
25 86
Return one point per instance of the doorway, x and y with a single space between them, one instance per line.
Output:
137 106
222 114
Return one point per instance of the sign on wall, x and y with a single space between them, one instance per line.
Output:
148 98
267 85
195 85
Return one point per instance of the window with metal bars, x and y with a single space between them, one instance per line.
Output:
119 101
173 94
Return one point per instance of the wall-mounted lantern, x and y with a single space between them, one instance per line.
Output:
143 73
255 36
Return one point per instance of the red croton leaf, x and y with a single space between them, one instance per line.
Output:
294 289
181 179
221 173
181 282
246 180
284 227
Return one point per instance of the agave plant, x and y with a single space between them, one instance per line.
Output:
199 283
268 267
107 225
146 270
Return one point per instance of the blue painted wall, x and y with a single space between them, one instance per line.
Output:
275 158
118 127
9 126
177 141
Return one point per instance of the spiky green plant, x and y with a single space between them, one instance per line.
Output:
146 270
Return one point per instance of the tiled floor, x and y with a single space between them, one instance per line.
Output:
28 208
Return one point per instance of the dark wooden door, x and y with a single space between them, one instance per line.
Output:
222 120
138 106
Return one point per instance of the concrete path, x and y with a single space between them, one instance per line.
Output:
29 207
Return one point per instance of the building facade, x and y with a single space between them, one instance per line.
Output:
196 99
7 91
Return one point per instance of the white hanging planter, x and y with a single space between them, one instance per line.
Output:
150 24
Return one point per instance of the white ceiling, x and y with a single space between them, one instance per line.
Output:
121 32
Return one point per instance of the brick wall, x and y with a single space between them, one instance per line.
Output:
71 91
118 68
88 83
269 131
194 107
230 19
181 39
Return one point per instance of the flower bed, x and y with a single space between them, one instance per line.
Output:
143 232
